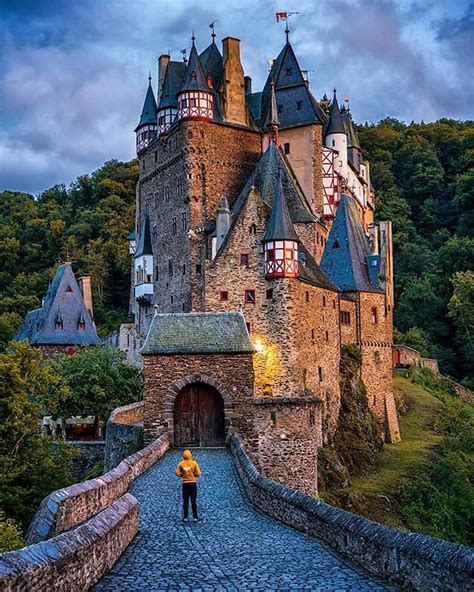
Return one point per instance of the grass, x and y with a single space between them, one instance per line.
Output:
375 494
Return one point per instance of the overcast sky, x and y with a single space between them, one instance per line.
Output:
73 73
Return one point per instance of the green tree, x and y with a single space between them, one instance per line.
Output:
99 380
31 465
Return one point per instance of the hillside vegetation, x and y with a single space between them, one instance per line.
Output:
424 483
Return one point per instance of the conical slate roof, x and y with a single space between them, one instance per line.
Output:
349 127
64 304
347 254
212 64
280 226
195 78
149 111
291 90
172 82
335 124
144 242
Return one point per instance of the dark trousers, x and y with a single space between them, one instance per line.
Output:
189 493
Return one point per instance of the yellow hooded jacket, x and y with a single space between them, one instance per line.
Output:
188 469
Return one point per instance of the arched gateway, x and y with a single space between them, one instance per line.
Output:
198 416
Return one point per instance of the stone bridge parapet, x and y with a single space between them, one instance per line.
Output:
410 560
123 434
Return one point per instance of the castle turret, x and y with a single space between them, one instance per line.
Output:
144 265
280 240
168 105
222 221
336 137
195 100
147 126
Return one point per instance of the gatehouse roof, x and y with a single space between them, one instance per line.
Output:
197 333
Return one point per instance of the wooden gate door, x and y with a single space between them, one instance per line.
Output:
199 417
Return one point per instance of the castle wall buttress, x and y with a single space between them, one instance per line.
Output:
375 341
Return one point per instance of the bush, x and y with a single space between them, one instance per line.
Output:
10 535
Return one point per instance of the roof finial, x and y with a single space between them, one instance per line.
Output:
149 78
213 35
287 32
193 38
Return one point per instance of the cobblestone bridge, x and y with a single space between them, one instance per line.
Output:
233 548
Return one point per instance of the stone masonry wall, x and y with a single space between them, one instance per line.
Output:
231 374
289 434
75 560
66 508
90 453
124 430
411 561
375 342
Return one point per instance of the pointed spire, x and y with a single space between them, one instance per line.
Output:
195 78
335 125
272 123
149 111
144 244
287 33
280 226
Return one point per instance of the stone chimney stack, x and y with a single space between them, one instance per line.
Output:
248 85
163 61
85 285
234 85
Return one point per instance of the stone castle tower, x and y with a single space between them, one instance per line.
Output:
257 259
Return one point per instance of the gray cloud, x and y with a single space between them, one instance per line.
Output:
73 74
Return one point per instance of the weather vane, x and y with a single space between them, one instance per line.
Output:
211 26
284 16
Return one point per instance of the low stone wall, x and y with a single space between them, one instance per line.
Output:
415 561
75 560
90 453
124 430
66 508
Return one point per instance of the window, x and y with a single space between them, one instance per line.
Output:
280 108
184 269
289 71
170 267
184 223
374 315
327 335
157 273
299 105
324 300
333 143
345 317
81 324
171 299
273 417
312 418
307 296
253 229
334 303
269 294
320 374
286 148
198 269
69 290
59 324
174 225
183 307
244 259
249 296
156 156
248 326
312 335
224 295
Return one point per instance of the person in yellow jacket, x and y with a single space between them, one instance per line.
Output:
189 471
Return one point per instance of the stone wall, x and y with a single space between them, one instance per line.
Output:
408 560
75 560
66 508
289 435
129 341
124 431
230 374
90 453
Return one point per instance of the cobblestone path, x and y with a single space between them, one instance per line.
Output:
233 548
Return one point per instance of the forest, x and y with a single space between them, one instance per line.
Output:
423 175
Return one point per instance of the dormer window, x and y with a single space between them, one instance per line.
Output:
81 323
289 71
59 322
69 290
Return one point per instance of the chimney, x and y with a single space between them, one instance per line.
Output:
85 285
234 85
163 61
248 85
